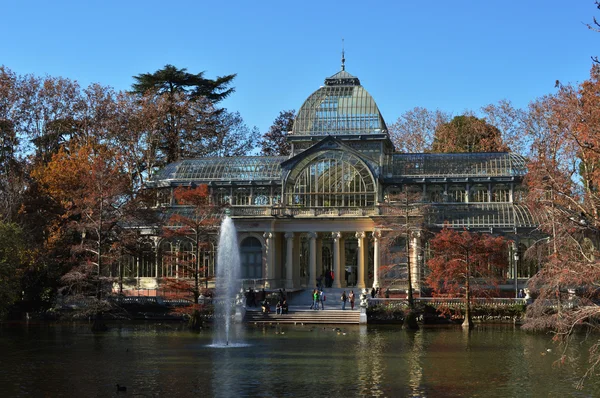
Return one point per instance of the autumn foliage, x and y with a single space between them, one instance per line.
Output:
197 222
466 264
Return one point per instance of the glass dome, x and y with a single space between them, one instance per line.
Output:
341 107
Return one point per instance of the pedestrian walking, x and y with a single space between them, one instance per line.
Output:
322 299
316 296
344 298
351 298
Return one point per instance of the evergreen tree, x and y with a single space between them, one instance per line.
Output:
172 80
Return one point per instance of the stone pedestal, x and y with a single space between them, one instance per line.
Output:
364 304
240 307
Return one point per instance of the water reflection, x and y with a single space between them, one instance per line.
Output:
414 363
371 363
286 361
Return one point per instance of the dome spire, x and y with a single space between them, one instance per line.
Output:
343 58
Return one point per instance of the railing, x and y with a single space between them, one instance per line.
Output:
448 302
300 211
257 284
251 211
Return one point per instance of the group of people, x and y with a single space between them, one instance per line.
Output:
280 308
318 297
252 297
345 298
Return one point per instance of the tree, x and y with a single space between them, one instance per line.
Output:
511 122
182 120
13 258
467 134
414 130
94 193
274 142
564 182
595 26
466 263
196 223
404 218
171 80
231 138
12 178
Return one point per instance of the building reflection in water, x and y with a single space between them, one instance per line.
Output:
415 365
371 363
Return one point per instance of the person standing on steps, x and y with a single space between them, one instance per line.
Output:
322 299
351 298
316 297
344 299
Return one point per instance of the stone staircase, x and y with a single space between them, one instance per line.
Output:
300 312
300 316
332 301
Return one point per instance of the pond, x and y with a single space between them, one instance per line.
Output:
165 359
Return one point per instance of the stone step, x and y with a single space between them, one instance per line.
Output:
305 317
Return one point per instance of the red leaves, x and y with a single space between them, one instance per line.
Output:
459 256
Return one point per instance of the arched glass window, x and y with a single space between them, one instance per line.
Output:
222 196
168 258
241 197
147 260
163 197
519 193
331 179
435 193
500 193
276 196
260 196
456 193
478 193
187 260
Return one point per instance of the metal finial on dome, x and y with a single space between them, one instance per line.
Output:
343 58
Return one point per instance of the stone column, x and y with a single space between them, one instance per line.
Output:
156 242
342 277
269 257
360 282
320 256
312 264
416 271
376 237
337 271
289 260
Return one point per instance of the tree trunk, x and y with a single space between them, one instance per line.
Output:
468 322
410 320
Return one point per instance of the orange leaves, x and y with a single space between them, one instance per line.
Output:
198 196
459 256
84 177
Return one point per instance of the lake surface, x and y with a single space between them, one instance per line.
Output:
276 361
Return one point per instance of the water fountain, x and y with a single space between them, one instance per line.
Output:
227 284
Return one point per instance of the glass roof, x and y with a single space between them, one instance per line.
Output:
246 168
341 107
482 215
455 165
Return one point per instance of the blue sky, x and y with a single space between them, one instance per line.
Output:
450 55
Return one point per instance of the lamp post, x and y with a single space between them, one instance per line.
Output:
516 260
420 267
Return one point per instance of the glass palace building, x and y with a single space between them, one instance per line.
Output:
326 206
